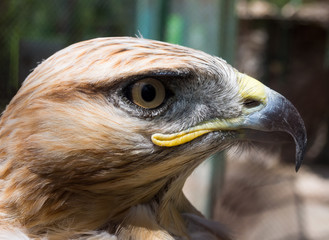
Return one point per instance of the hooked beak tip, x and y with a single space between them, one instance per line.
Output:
280 115
300 150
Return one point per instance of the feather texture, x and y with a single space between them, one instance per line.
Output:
77 159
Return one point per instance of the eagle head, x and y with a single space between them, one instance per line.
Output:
103 134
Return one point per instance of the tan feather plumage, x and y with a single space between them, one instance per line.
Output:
76 151
76 166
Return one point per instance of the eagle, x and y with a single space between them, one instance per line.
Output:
101 136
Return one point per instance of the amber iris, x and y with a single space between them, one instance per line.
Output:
148 93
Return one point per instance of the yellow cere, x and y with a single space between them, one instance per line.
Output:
175 139
251 88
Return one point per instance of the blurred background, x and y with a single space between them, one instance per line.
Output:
283 43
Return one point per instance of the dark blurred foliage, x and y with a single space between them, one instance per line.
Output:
32 30
282 3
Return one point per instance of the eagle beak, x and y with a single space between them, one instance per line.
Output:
275 114
264 111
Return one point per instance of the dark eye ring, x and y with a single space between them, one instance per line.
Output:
148 93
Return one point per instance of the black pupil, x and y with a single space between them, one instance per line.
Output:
148 92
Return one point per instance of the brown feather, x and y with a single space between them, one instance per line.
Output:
74 164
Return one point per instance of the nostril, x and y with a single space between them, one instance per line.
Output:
251 103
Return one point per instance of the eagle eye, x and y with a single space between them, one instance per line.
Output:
148 93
